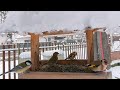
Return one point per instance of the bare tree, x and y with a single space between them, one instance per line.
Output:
3 15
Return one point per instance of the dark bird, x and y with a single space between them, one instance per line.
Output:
54 58
101 67
71 56
21 68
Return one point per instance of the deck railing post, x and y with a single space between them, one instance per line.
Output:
3 61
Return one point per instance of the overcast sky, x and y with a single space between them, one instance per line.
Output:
39 21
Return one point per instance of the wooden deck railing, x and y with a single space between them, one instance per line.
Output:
80 48
9 54
8 60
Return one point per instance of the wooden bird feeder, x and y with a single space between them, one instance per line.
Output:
62 75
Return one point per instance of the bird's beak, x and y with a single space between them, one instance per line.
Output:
106 62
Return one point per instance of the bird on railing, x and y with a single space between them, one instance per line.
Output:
71 56
54 58
21 68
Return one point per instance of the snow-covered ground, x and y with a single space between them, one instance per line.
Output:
115 70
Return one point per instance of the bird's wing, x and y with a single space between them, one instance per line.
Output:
17 68
20 66
23 69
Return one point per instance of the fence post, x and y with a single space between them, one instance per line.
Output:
3 61
14 57
9 65
18 45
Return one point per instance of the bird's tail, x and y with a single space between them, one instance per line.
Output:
4 73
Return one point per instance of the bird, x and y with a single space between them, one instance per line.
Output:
99 68
20 68
71 56
54 58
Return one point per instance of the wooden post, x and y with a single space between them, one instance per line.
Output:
90 45
35 51
14 58
3 61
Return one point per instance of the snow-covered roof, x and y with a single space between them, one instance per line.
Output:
39 21
21 36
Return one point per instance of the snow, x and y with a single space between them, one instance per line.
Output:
3 38
115 70
116 46
39 21
25 55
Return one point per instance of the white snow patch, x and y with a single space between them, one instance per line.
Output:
116 46
24 55
115 70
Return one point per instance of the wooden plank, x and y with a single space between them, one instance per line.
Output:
3 61
98 42
65 75
14 57
90 52
9 65
101 46
106 47
35 52
95 46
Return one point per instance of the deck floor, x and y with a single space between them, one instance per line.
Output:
65 75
